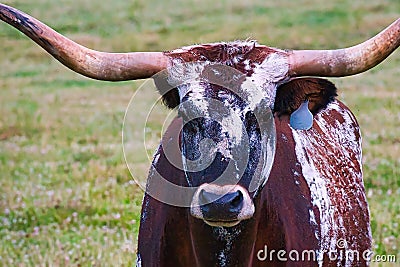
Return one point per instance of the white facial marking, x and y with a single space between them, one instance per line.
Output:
180 73
258 88
267 76
233 126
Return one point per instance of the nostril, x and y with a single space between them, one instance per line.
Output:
237 200
207 197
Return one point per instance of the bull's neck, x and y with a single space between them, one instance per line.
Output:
223 246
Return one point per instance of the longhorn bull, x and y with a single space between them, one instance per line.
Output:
290 190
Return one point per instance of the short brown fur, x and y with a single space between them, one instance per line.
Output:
289 96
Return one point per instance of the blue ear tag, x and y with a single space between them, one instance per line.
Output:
302 118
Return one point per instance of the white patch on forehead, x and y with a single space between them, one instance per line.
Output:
253 93
319 153
266 77
274 68
233 125
183 75
195 90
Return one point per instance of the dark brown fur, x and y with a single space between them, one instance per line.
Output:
170 96
289 96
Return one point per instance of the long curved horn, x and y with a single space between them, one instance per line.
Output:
88 62
346 61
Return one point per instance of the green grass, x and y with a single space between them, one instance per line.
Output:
66 196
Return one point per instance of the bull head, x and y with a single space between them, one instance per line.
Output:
225 101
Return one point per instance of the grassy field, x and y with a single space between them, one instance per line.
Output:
66 196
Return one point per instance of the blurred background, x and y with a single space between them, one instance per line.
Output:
66 196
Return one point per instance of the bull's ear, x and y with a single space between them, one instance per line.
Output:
289 96
170 96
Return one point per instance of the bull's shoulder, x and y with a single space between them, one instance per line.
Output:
322 165
335 128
